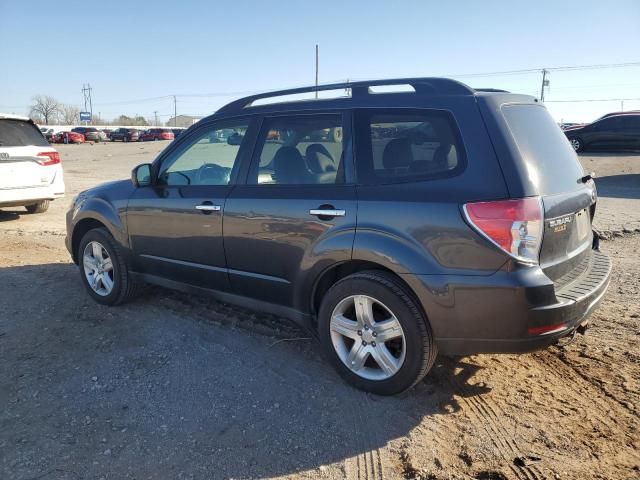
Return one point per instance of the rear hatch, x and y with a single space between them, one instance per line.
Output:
20 163
537 160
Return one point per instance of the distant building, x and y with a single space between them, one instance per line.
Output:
182 121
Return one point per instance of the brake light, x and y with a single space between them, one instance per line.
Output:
513 225
49 158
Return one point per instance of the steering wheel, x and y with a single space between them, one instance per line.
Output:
218 172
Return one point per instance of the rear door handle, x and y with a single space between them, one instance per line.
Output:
327 212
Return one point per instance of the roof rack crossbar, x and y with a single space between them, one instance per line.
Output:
433 86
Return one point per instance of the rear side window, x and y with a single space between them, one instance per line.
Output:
550 161
406 146
299 150
18 133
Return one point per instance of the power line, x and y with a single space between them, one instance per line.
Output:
593 100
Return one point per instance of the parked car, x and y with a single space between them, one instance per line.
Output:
615 132
91 134
156 134
564 126
628 112
107 132
30 170
68 137
48 133
178 131
418 229
124 135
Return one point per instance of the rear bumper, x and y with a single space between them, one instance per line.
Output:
509 312
24 196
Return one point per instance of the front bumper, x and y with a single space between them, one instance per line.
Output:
509 312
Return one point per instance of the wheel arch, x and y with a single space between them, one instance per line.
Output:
337 272
80 230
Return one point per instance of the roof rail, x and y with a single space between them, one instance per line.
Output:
432 86
491 90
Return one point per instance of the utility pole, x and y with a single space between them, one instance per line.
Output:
175 112
155 112
316 70
622 105
86 93
545 83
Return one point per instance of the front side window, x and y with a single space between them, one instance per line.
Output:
207 159
406 146
299 150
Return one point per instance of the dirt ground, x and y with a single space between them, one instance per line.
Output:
173 386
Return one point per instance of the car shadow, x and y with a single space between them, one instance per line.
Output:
624 153
8 215
176 385
619 186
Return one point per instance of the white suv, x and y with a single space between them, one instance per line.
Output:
30 169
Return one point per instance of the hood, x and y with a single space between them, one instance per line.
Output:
120 189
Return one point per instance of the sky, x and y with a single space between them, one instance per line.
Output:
136 55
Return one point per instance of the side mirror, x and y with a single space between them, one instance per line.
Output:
141 175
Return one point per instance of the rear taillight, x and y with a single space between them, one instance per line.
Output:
49 158
513 225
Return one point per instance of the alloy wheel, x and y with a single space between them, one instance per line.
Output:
98 268
575 143
367 337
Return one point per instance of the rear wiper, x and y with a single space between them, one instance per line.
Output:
587 177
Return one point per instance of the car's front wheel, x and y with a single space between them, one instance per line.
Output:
104 270
576 143
375 334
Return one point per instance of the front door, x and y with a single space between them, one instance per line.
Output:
296 211
175 225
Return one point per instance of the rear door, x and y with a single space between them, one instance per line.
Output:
175 225
606 134
20 143
547 166
297 210
631 131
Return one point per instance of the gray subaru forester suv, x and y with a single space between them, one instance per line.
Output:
395 224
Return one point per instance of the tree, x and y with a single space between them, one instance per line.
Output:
45 108
126 121
70 114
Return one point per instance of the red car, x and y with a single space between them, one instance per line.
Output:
72 137
156 134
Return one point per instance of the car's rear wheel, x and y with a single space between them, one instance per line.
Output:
38 207
104 270
576 143
375 334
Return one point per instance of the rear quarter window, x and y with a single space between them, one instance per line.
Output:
550 161
19 133
399 146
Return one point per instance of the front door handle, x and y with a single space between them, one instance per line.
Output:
208 207
327 212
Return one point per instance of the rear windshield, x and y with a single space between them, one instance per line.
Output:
551 162
19 133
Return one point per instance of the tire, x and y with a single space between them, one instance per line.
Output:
124 286
408 365
39 207
576 143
